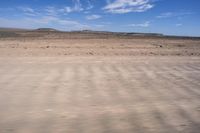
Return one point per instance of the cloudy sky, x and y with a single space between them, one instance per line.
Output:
174 17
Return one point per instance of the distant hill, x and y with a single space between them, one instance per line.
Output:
12 29
46 29
10 32
119 33
41 32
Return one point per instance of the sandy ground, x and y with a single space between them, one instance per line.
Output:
99 86
99 47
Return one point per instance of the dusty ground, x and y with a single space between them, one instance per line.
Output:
96 85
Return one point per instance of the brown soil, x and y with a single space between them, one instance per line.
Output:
63 83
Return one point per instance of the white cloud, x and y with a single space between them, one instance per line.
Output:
144 25
65 10
54 11
106 23
93 17
76 8
178 25
126 6
90 6
50 10
28 11
68 9
173 14
45 21
99 25
166 15
58 21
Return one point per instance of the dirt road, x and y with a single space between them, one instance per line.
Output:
99 95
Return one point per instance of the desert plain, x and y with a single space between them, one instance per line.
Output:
96 82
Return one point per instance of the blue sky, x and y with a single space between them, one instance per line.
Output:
173 17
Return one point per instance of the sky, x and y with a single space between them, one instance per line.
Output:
170 17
